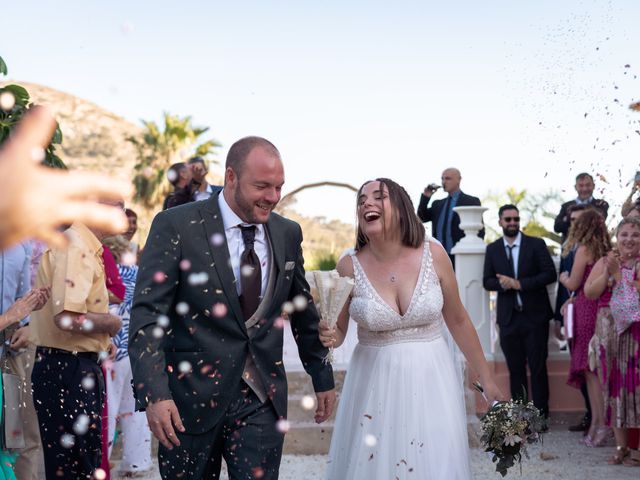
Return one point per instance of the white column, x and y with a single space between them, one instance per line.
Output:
469 254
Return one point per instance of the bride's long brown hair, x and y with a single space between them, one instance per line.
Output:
411 228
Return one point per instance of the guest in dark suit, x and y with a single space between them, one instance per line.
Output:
446 222
519 268
584 186
206 331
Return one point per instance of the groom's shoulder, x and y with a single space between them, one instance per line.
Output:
283 223
180 213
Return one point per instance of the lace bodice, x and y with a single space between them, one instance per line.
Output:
379 324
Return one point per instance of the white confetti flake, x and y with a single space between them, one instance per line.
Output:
67 440
182 308
370 440
184 367
308 402
88 383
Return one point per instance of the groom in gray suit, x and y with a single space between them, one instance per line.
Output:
206 325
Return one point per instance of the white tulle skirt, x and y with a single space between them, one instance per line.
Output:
401 416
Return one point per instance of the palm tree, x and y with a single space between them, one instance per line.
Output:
158 149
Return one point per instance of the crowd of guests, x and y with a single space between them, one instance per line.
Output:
64 323
597 304
602 318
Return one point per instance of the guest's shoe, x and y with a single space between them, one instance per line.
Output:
619 457
599 438
633 460
583 426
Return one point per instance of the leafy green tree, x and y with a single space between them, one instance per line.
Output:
158 148
14 103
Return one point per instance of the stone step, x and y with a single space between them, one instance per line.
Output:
308 438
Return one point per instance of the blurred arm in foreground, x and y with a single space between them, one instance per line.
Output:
36 200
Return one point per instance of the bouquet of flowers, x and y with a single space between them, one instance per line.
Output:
507 429
330 292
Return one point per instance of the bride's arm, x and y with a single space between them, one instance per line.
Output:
333 337
459 323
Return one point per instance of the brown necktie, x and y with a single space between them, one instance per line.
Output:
250 273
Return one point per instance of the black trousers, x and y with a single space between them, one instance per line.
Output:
247 437
68 392
525 341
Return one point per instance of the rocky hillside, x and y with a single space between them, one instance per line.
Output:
94 139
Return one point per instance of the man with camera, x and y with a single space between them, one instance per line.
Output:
445 222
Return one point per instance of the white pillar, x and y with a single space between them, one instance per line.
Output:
469 254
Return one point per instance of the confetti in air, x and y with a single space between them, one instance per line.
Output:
308 402
300 302
7 101
370 440
287 307
283 426
217 239
163 321
67 440
88 383
219 310
81 425
184 367
182 308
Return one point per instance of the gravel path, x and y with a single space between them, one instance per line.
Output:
560 457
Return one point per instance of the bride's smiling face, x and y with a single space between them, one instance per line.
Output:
375 212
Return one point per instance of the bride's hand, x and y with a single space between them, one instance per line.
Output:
492 393
327 334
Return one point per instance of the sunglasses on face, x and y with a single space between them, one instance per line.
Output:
511 219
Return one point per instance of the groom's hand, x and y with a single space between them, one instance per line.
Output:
162 416
326 402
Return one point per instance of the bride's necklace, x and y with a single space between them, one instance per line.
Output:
393 278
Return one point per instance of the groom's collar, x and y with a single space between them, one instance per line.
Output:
229 218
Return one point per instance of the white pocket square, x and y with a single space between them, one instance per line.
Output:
289 266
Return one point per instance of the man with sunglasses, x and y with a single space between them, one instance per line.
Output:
519 268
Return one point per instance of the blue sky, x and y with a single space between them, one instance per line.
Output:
350 91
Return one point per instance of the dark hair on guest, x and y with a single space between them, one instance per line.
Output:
507 206
583 175
173 174
411 229
130 213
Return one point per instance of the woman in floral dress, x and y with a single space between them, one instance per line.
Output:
590 233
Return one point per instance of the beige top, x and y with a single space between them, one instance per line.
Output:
77 279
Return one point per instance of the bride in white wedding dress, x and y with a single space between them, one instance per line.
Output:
401 413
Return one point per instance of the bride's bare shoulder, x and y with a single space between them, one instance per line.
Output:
345 266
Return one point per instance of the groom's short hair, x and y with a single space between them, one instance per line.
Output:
240 150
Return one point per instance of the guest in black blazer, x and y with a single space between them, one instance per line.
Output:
584 186
445 222
519 268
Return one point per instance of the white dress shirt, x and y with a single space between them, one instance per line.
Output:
515 254
232 222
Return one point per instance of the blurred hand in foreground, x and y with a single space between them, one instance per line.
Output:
36 200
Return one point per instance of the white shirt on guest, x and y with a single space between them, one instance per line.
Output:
232 231
198 195
515 254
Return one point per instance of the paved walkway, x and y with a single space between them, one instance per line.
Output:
561 456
